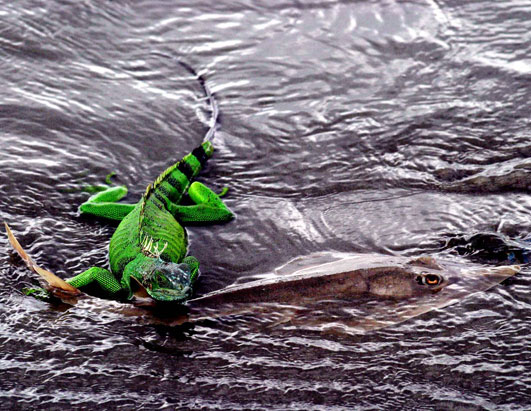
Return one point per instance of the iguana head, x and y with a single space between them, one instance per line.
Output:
161 280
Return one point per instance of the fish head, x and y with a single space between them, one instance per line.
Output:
405 288
456 276
446 282
398 282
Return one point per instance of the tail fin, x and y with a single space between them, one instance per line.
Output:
51 279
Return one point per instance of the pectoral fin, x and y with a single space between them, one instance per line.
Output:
50 278
138 289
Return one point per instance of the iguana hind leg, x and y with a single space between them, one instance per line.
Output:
104 204
208 209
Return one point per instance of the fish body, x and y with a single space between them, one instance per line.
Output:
356 293
367 275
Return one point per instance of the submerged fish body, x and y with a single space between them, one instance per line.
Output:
379 276
354 293
361 275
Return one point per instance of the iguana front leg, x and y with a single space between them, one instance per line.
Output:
96 275
104 204
93 276
208 209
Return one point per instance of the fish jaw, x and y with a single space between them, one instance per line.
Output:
504 271
484 278
464 281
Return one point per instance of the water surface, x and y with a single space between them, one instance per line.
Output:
349 126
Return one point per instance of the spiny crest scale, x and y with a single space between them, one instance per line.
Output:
151 248
151 187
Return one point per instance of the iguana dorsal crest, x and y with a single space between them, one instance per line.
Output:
151 188
150 247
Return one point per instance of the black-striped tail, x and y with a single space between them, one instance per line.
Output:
171 185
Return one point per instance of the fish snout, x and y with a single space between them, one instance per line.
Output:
508 270
500 273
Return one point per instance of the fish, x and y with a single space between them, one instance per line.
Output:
352 293
326 292
54 283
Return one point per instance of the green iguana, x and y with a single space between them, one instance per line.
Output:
148 249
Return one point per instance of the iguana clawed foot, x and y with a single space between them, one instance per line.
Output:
39 293
208 206
104 204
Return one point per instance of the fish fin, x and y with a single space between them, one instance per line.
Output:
425 261
140 290
302 262
51 279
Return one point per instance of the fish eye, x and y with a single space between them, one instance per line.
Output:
429 279
432 279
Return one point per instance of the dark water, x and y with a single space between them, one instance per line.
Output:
352 126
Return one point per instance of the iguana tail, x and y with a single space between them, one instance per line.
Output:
175 180
170 186
214 116
209 96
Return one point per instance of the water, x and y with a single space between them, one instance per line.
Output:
363 126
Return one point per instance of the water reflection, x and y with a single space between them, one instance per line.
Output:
346 126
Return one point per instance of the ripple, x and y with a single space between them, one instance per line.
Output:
385 127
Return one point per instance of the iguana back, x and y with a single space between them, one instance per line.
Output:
151 227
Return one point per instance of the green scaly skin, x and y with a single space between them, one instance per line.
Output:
149 245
